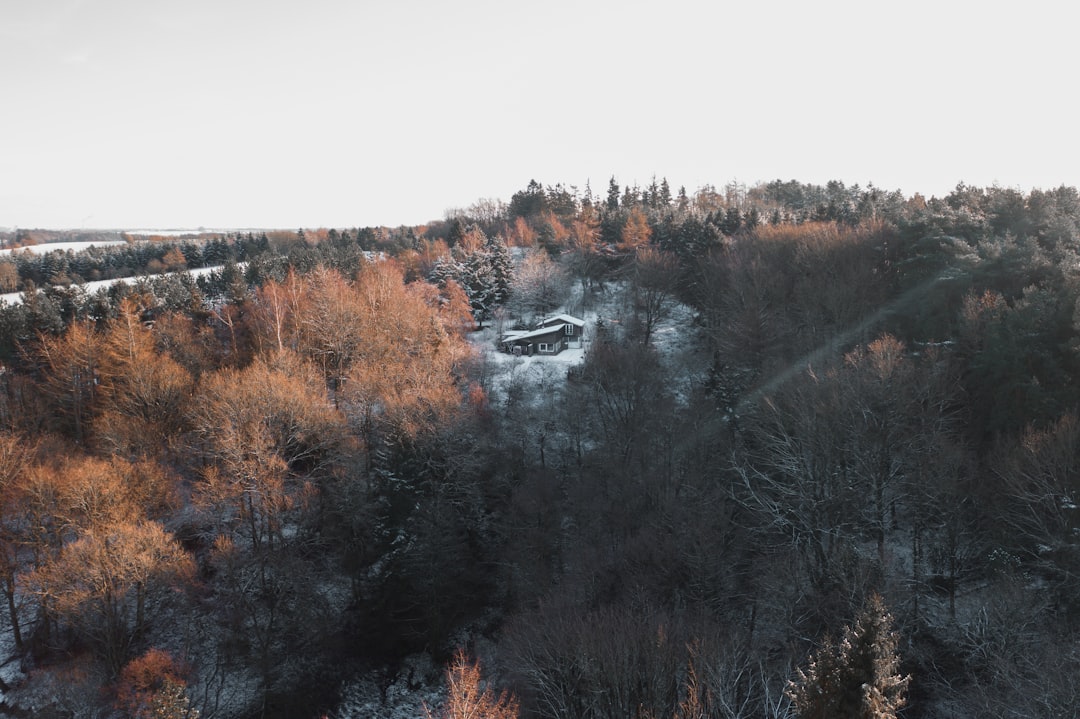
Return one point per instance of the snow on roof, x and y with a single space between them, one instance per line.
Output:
563 318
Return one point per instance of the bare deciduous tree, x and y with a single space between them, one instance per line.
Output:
101 583
143 392
654 277
70 364
540 286
469 698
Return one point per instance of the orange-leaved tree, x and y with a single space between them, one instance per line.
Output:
143 392
636 233
152 686
469 696
259 427
278 310
101 583
69 369
403 382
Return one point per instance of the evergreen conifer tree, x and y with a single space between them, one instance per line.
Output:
477 280
683 200
665 193
857 677
502 269
612 194
443 270
456 234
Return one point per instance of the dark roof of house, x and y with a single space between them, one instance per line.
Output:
546 326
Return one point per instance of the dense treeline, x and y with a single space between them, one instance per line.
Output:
235 492
24 270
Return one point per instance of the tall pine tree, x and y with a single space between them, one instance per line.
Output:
857 677
612 195
502 268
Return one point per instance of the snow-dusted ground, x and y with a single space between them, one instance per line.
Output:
11 673
485 341
674 338
417 687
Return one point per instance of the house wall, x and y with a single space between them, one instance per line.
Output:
554 345
573 340
554 341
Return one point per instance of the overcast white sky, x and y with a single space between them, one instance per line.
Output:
339 113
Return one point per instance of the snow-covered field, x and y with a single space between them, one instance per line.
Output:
182 233
60 246
15 298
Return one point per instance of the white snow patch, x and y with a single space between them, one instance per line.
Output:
417 685
11 673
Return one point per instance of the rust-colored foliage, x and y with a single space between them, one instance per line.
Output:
99 584
402 382
259 426
554 228
143 392
636 232
189 343
585 231
69 368
114 386
455 310
174 260
74 493
520 234
431 251
277 405
469 697
277 313
151 686
9 276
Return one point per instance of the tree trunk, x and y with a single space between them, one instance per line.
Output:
13 611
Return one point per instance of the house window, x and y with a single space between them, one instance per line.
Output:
545 347
569 329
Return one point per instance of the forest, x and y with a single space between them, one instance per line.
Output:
819 458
